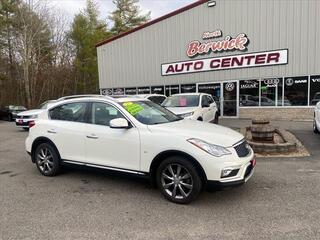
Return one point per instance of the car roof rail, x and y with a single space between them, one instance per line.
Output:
83 96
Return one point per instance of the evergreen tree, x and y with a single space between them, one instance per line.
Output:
85 32
127 16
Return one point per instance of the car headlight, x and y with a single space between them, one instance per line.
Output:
184 115
212 149
34 116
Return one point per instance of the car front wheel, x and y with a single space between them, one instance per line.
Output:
178 180
47 160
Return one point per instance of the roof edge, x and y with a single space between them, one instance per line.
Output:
180 10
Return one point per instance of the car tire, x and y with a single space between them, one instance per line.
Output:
26 128
178 180
315 129
216 119
47 160
200 119
10 117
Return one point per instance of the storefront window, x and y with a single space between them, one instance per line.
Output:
268 91
296 91
157 89
118 91
211 88
143 90
188 88
249 93
314 89
131 91
172 89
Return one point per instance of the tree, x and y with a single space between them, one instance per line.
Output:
127 16
86 31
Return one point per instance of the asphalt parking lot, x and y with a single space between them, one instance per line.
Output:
281 201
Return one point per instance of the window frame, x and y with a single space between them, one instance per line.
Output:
112 105
65 103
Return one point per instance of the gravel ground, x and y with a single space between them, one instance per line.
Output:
281 201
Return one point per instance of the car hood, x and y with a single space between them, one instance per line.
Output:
181 110
31 112
209 132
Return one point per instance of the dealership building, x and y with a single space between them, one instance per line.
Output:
256 57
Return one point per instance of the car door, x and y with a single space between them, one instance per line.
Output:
118 148
207 109
66 128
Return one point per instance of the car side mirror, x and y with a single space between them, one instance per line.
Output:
119 123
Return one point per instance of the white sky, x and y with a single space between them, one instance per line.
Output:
157 7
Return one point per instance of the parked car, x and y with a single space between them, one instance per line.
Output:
10 112
140 137
196 106
315 99
23 118
156 98
316 119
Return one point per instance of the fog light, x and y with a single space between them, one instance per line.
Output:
227 172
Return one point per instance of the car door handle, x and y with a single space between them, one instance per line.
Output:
52 131
92 136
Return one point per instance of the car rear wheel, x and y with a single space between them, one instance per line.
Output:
315 129
178 180
47 160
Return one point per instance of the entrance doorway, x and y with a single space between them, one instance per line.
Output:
229 99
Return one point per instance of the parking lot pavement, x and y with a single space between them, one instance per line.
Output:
281 201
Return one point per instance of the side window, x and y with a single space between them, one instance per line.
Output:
74 112
204 101
210 99
103 113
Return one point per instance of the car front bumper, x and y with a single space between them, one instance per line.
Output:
248 171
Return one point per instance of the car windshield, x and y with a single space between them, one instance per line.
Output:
149 113
182 101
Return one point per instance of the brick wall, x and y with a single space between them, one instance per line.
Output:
277 113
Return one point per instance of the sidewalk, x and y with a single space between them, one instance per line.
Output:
288 125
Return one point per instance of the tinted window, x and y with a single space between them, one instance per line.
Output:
296 90
249 90
205 101
103 113
74 112
157 99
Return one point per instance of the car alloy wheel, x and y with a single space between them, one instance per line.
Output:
177 181
47 159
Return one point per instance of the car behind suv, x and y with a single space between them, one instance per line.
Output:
196 106
140 137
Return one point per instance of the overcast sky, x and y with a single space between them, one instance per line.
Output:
157 7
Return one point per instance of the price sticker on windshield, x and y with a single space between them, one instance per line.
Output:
132 108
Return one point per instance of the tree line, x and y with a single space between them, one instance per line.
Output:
44 57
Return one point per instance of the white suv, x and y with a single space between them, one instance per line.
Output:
138 136
196 106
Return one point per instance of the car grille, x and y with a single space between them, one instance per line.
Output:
23 117
242 149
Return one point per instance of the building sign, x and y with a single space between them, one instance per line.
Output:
131 91
157 89
106 91
188 88
268 58
118 91
195 48
143 90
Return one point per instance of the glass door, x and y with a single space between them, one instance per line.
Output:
230 99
